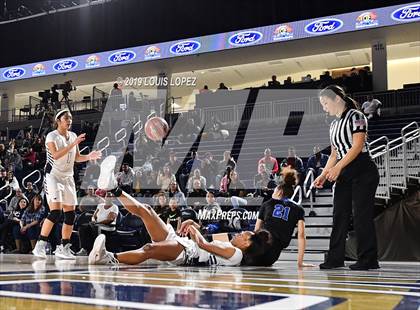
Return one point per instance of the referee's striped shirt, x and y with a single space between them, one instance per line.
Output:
342 130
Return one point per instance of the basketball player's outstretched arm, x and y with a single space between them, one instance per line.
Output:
216 249
302 244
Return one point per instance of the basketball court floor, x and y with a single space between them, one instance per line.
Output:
27 283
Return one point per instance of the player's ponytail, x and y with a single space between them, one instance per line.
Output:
331 91
287 185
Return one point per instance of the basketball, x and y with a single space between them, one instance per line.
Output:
156 128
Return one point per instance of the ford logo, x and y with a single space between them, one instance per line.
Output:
407 14
185 47
324 26
245 38
13 73
121 57
65 65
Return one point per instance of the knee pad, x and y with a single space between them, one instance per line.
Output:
54 216
69 217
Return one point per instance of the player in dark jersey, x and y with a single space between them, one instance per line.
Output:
279 216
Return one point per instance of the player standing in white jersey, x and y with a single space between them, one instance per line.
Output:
62 151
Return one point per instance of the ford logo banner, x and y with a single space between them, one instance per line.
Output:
121 57
13 73
185 47
322 26
407 14
65 65
245 38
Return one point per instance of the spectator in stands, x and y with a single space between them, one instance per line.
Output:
14 221
161 206
30 158
274 83
149 188
165 177
147 166
16 162
317 161
288 81
294 162
3 154
15 200
270 162
211 224
372 107
222 86
196 195
30 223
197 176
261 174
173 214
174 164
190 130
30 191
237 190
209 170
138 182
91 173
192 164
264 187
128 158
307 78
227 161
205 90
326 77
3 178
115 97
106 215
126 177
38 145
175 192
90 201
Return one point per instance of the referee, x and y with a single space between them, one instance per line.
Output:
356 177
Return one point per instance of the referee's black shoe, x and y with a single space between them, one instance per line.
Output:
328 265
364 266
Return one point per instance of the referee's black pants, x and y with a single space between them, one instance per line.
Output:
355 189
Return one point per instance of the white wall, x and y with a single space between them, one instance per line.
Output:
403 71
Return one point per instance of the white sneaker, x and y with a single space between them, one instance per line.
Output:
64 252
82 252
39 249
99 255
106 180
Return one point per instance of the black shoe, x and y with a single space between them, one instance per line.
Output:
328 265
363 266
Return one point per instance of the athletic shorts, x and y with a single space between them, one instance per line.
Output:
190 247
60 189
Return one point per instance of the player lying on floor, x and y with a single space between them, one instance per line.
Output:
245 248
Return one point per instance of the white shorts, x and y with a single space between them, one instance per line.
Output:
190 247
60 189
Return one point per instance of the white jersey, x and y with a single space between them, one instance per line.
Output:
193 255
212 259
62 167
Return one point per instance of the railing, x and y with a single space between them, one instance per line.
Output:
309 180
411 141
380 154
4 199
34 182
297 193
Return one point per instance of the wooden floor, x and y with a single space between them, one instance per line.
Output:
27 283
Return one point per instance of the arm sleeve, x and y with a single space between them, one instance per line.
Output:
358 123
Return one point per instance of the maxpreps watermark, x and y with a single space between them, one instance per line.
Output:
156 81
219 215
